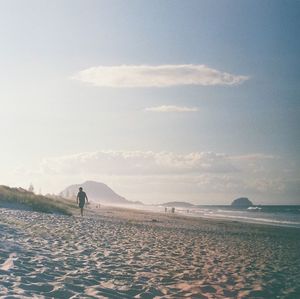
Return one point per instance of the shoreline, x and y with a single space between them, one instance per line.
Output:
120 210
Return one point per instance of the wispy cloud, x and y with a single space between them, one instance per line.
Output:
172 108
139 163
157 76
156 163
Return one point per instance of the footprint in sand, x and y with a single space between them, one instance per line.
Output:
9 263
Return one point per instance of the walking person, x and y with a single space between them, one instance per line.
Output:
81 197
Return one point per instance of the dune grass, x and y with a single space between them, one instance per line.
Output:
19 198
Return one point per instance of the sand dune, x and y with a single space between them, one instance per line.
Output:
124 254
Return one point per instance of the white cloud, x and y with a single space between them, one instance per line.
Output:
156 76
172 108
138 163
255 157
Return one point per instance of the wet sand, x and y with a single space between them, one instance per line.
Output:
119 253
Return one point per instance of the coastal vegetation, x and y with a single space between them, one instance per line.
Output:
19 198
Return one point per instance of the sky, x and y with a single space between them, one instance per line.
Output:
192 101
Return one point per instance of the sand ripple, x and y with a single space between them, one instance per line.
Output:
52 256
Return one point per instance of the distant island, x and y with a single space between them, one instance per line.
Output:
239 202
178 204
242 202
97 192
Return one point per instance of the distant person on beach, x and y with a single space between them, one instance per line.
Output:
81 197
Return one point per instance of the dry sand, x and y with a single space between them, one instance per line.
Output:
118 253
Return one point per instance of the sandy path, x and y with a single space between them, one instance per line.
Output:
52 256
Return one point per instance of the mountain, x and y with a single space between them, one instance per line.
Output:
242 202
178 204
97 192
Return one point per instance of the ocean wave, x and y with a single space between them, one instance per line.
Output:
254 219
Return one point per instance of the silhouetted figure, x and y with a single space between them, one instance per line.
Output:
173 210
81 197
166 210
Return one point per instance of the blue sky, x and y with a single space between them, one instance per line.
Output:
206 142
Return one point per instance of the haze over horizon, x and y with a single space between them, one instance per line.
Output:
162 101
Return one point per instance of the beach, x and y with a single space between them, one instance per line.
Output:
123 253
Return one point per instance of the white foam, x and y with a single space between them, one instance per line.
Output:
254 220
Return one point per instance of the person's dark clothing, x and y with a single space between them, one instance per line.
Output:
81 196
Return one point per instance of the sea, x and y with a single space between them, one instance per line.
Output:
280 215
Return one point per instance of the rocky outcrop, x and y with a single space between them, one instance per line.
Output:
242 202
